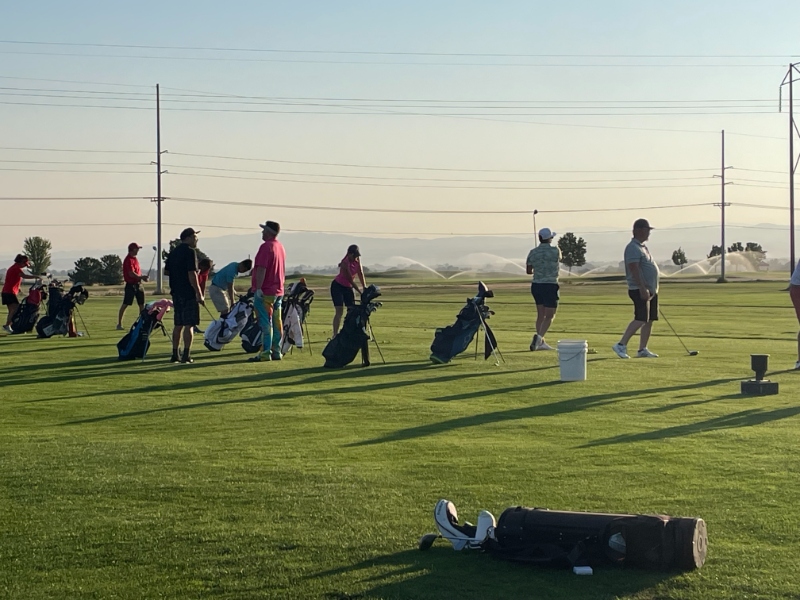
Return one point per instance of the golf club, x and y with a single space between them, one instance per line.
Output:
689 352
152 262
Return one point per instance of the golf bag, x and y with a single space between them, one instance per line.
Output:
572 539
56 291
251 335
59 321
344 346
27 314
229 324
456 338
136 342
296 305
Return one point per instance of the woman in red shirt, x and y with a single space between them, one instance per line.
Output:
14 277
344 283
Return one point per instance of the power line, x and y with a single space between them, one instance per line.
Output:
21 149
445 187
68 198
424 211
340 176
373 166
384 53
75 171
560 65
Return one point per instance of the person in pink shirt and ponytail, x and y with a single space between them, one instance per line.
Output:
344 284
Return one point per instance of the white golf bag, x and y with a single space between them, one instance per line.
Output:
228 326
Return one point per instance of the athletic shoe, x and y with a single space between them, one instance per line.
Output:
260 358
186 359
276 355
535 342
120 327
645 353
7 329
544 346
174 359
797 366
620 350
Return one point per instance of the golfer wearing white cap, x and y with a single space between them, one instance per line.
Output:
543 263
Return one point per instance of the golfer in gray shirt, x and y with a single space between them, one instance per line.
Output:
641 273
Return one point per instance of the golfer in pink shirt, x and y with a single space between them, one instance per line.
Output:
269 268
345 282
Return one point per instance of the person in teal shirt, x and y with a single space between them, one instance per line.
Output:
221 289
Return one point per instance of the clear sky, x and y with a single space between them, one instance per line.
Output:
498 108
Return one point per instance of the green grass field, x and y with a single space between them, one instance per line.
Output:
224 479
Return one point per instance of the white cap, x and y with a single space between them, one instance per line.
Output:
546 234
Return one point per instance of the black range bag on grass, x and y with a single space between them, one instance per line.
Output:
454 339
353 337
575 539
59 320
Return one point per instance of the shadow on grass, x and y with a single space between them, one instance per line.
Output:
744 418
541 410
442 573
290 394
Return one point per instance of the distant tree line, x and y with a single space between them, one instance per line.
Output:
107 270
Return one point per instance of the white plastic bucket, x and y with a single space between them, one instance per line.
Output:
572 359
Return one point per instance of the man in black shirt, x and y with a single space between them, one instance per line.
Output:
186 294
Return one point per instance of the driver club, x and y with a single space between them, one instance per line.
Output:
152 262
689 352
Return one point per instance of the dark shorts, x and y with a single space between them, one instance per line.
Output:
794 294
187 311
342 295
545 294
132 290
10 299
644 310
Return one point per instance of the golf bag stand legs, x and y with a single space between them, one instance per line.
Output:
374 339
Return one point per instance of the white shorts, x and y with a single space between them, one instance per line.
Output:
220 298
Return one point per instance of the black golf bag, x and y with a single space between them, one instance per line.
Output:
27 314
344 346
56 293
295 309
578 539
58 322
251 335
455 338
136 342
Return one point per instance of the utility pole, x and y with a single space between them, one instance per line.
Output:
788 80
159 198
722 206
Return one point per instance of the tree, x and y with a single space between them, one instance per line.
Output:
573 251
736 247
756 249
715 251
87 270
37 249
110 269
679 257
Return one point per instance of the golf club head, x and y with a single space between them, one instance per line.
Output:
694 352
155 249
426 541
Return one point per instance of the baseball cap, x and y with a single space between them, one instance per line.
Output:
546 234
188 232
271 227
642 224
133 245
353 249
